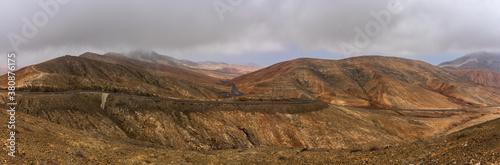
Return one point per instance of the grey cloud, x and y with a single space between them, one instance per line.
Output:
188 28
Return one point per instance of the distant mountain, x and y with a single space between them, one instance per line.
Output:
478 60
211 68
68 73
373 81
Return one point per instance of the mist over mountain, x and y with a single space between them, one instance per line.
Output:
211 68
479 76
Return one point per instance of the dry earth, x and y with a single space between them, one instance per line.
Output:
353 135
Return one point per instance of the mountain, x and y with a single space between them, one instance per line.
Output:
214 69
371 81
478 76
68 73
478 60
3 70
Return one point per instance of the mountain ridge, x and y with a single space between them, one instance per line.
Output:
478 60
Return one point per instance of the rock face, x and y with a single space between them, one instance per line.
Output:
78 73
374 81
481 77
479 60
193 125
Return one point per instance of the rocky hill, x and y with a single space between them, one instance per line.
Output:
478 60
154 67
371 81
214 69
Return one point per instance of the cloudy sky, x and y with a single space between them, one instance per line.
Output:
244 31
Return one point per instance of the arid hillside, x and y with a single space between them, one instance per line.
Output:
215 69
69 73
478 76
371 81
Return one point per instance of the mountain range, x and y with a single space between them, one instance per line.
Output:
479 60
143 107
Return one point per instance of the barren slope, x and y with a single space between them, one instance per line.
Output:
478 60
361 137
184 125
368 81
210 68
77 73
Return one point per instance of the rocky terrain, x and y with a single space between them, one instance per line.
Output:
116 109
369 81
3 70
